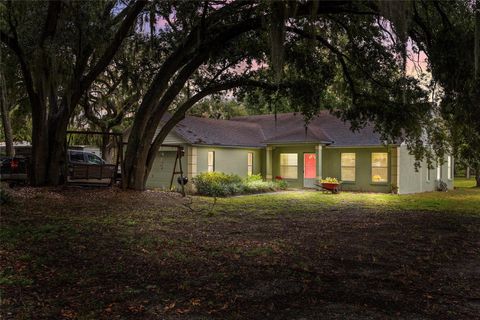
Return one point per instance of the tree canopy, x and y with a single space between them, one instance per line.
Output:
108 61
449 33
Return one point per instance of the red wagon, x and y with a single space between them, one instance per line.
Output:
331 187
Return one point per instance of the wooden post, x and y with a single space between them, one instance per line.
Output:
178 159
118 161
179 152
269 163
67 159
318 155
174 171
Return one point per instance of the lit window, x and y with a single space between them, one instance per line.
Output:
211 161
379 167
348 166
250 163
289 165
449 163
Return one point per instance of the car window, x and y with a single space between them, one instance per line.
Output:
94 159
76 157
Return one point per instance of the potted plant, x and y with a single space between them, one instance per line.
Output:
331 184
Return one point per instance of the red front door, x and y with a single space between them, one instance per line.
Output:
309 169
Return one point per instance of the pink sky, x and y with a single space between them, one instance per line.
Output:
415 63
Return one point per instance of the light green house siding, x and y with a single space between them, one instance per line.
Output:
162 168
230 160
412 181
299 150
363 167
227 160
401 169
330 164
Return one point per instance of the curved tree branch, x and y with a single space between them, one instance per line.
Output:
340 55
12 43
112 49
179 114
53 13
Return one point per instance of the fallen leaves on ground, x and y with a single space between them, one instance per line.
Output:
107 254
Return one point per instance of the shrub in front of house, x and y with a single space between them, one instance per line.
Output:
259 186
281 184
330 180
219 184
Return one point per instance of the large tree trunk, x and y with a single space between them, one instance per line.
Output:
477 41
48 164
477 176
104 147
134 176
40 150
58 154
146 123
143 162
7 128
477 72
49 124
139 143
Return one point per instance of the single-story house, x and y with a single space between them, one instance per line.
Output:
284 148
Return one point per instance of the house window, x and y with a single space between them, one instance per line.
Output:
211 161
449 166
379 167
250 163
428 173
289 165
439 171
348 166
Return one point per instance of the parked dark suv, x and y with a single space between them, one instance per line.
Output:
83 167
84 157
88 168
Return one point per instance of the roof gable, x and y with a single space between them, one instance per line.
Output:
323 128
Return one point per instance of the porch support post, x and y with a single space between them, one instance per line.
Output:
398 168
269 163
318 153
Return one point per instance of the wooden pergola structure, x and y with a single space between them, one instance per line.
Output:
178 159
86 173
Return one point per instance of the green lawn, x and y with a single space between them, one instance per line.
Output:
108 254
465 183
461 200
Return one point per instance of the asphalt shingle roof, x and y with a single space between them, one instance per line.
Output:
260 130
324 127
196 130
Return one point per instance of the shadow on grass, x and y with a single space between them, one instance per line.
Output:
144 256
